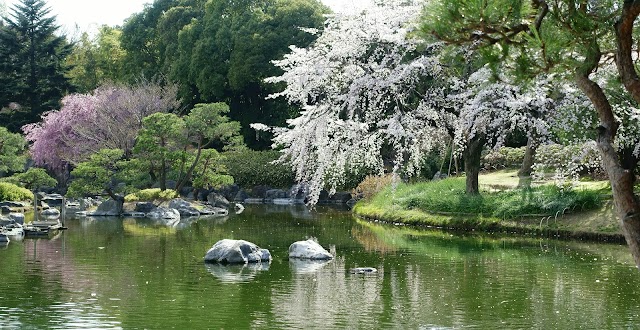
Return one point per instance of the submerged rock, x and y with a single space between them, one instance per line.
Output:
363 270
309 249
236 252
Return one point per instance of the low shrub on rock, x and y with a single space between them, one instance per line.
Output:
12 192
151 194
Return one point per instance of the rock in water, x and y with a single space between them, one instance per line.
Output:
363 270
309 249
236 252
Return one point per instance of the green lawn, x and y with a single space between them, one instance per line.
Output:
586 208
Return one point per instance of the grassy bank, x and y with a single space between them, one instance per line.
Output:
582 212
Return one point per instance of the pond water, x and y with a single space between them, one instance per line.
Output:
135 274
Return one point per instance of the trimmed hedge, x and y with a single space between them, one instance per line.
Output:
251 168
12 192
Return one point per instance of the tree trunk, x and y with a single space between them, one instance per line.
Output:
471 155
524 173
529 157
187 176
620 169
163 175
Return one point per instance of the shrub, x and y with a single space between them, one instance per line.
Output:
12 192
504 157
151 194
372 185
566 163
251 168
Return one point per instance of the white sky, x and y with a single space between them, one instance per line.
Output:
87 15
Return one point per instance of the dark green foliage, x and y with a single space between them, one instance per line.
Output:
12 148
34 178
32 63
97 61
449 196
251 168
12 192
97 175
221 51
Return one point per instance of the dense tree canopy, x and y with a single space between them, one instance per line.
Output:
220 51
32 63
96 61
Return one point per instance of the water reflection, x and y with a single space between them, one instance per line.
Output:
236 273
305 266
136 273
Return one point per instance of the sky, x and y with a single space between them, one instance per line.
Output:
87 15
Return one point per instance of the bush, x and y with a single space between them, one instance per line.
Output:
505 157
12 192
251 168
372 185
151 194
568 162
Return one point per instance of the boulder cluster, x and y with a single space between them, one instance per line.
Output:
229 251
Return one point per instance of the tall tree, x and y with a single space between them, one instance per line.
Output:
97 61
140 41
221 50
35 62
168 143
567 36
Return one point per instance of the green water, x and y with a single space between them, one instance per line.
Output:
135 274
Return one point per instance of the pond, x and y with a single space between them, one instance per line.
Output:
135 274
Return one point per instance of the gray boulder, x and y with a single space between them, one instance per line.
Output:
50 213
229 192
185 208
272 194
108 208
17 217
241 196
340 197
229 251
309 249
144 207
52 199
11 204
217 200
299 191
164 214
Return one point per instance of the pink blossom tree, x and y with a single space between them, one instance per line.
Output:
108 118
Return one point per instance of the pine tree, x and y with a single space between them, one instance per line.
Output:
32 61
